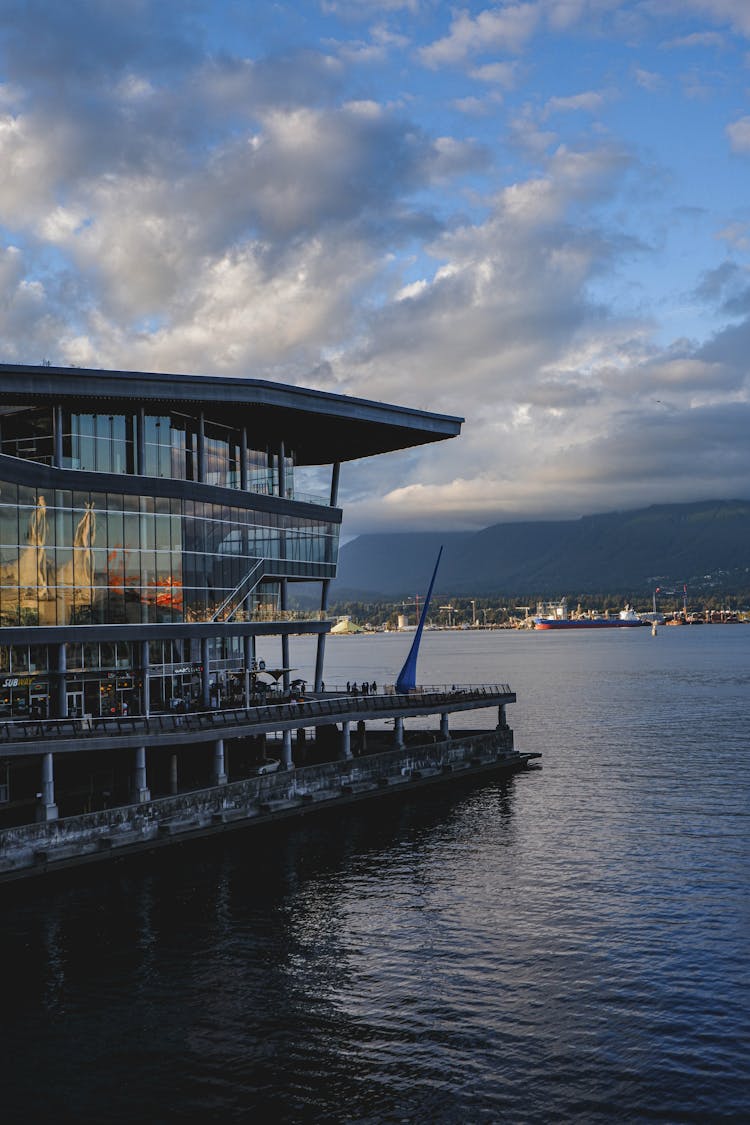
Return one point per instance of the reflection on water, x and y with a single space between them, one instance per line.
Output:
568 945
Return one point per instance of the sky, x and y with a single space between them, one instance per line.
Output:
534 215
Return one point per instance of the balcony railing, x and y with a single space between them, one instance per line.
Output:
322 706
261 614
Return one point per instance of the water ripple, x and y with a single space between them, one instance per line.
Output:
570 945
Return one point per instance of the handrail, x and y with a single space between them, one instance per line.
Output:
337 702
252 573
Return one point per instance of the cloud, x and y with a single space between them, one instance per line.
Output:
498 73
569 410
279 210
736 235
589 101
382 43
494 29
739 135
143 231
478 107
711 39
367 9
648 80
727 287
734 14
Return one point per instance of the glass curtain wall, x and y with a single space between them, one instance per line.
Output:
101 443
88 557
27 434
106 443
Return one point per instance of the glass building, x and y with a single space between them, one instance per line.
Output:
151 527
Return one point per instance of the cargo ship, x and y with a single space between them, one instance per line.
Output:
556 617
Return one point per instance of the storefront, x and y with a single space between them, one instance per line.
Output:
24 697
174 687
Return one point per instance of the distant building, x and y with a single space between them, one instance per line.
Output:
345 625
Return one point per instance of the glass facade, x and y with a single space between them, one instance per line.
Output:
27 434
150 530
107 443
107 678
101 443
70 558
89 557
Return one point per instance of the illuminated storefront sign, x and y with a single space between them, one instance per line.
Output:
38 686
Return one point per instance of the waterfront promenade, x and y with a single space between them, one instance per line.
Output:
316 709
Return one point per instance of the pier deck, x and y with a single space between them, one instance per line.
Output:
71 735
35 850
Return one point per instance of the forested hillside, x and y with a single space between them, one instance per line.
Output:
706 544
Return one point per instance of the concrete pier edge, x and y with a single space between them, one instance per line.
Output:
35 850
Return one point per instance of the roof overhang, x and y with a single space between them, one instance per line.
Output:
320 427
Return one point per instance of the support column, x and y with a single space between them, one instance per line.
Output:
502 721
346 742
284 636
202 448
243 461
140 442
321 646
205 675
335 473
271 476
320 655
398 733
286 752
444 731
361 737
248 659
219 775
57 437
141 791
285 659
47 809
146 689
62 682
282 471
173 786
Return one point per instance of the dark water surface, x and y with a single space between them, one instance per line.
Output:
571 945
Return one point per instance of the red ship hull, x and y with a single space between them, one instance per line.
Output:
590 623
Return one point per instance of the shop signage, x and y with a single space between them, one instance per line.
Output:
23 681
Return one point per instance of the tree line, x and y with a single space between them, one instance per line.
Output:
502 611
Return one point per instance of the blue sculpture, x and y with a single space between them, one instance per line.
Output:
407 677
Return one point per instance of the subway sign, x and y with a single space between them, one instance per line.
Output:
24 681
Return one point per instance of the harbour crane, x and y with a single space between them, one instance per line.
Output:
449 610
408 604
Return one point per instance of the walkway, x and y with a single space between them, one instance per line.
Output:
34 736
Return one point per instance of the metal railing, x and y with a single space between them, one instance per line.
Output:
254 575
329 704
355 688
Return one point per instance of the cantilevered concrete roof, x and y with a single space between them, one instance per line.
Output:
318 426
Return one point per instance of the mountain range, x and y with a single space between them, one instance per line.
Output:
705 544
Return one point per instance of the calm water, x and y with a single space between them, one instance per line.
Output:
569 946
